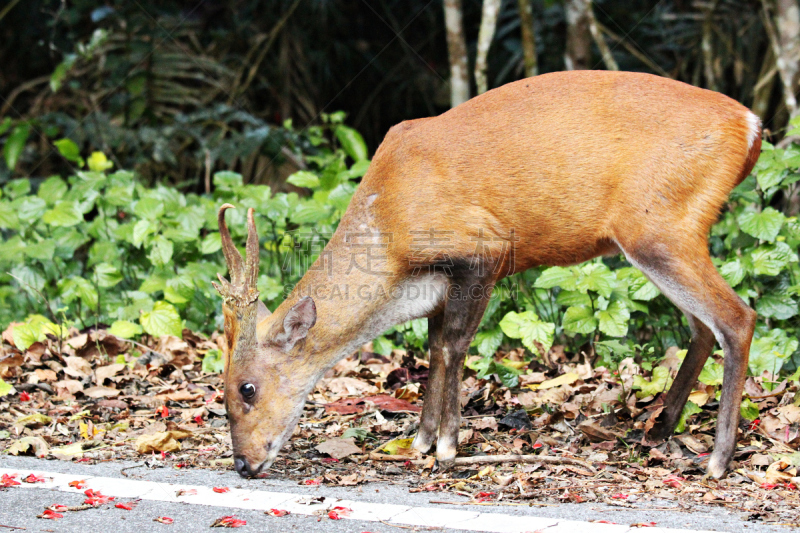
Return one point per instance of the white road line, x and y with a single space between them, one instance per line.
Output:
404 515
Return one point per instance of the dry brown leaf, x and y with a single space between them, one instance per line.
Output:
45 374
161 441
108 371
70 385
487 422
37 445
77 367
101 392
338 448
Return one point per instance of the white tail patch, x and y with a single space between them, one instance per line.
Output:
753 128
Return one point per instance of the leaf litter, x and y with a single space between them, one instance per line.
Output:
565 431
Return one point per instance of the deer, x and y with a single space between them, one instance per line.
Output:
556 169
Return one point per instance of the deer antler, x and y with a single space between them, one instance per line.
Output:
241 290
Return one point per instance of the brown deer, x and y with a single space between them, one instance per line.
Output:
551 170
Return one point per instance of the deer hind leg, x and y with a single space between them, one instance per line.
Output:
432 406
463 312
688 278
699 349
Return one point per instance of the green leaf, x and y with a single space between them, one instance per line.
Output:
573 298
149 208
309 212
659 382
98 162
303 178
75 288
29 209
597 277
8 216
65 213
18 187
125 329
733 272
15 143
770 352
211 243
141 230
42 250
52 190
774 305
160 251
5 389
579 319
227 180
748 410
771 259
765 225
712 373
536 336
383 346
639 287
508 375
614 320
213 362
488 341
352 142
69 151
770 177
689 410
566 278
107 275
24 335
162 320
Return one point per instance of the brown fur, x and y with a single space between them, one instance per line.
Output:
571 166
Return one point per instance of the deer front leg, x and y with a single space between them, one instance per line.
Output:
432 404
462 316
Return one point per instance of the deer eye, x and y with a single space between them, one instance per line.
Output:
247 390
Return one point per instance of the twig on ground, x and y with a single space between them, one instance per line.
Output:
515 504
122 471
528 459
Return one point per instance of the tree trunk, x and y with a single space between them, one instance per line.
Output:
579 44
457 50
528 38
485 37
785 43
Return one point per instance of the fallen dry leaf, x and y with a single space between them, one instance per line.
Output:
338 448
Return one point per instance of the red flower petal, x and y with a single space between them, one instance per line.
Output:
25 397
33 478
221 490
50 515
77 484
163 520
128 506
277 512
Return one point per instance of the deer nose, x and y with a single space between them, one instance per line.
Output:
243 467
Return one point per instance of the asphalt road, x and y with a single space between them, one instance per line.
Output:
19 506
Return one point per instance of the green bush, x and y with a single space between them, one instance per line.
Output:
101 248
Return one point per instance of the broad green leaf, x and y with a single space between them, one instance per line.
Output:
98 162
733 272
382 345
566 278
119 195
5 389
125 329
770 352
18 187
149 208
488 341
52 190
303 178
659 382
69 151
771 259
712 373
508 375
29 209
161 251
162 320
748 409
64 214
639 287
78 288
141 230
689 410
536 335
227 180
573 298
359 168
579 320
211 243
597 277
765 225
614 320
352 142
770 177
213 362
309 212
107 275
8 216
774 305
15 143
24 335
42 250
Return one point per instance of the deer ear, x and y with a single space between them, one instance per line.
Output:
298 321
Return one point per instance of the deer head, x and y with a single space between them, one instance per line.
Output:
266 376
